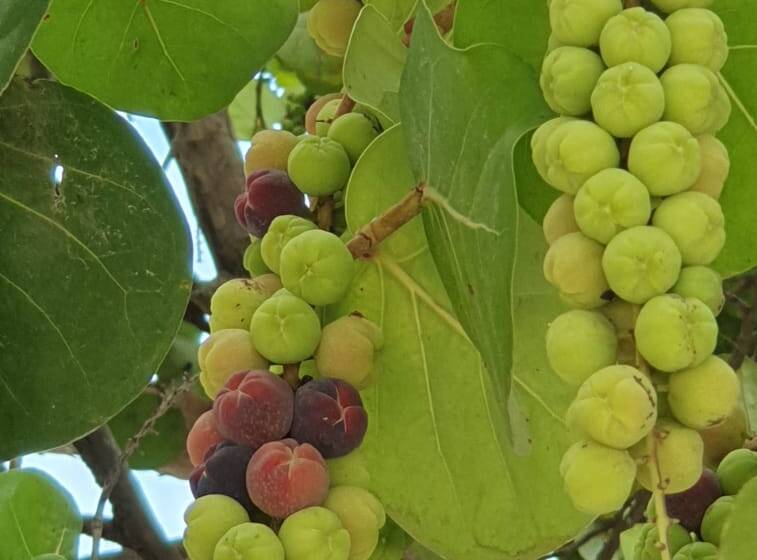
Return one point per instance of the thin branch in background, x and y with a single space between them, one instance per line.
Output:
745 344
15 463
631 514
259 118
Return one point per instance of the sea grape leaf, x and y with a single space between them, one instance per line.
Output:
748 375
94 266
243 110
172 59
462 144
397 12
739 541
181 359
373 64
436 447
37 516
19 20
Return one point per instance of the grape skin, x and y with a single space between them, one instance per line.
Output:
560 219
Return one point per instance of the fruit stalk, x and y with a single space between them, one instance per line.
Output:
324 212
631 3
345 106
662 520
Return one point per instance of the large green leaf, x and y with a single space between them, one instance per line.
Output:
19 20
94 270
462 146
739 540
436 445
173 59
37 516
373 64
397 12
243 110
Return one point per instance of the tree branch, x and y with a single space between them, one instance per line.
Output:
745 343
212 168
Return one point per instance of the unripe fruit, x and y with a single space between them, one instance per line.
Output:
695 99
560 219
317 266
326 116
348 349
616 406
283 229
597 478
715 166
223 354
635 35
315 533
674 333
679 457
698 37
354 131
568 76
609 202
580 22
208 519
715 518
702 283
234 302
696 223
666 157
270 150
539 143
573 265
628 97
311 116
330 24
736 469
697 551
704 396
640 263
724 438
669 6
573 152
580 343
622 315
349 470
361 514
553 43
252 261
285 329
319 166
647 547
249 541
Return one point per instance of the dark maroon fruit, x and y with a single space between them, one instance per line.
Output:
269 193
688 507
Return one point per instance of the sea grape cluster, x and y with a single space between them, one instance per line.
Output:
632 238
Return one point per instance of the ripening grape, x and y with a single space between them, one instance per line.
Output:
268 193
330 24
208 519
698 551
736 469
315 533
698 37
348 350
616 406
568 154
285 329
674 333
269 150
669 6
702 283
560 219
715 166
317 266
203 435
223 472
311 116
696 223
580 343
568 76
695 99
234 301
354 131
319 166
635 35
647 546
362 514
628 98
553 43
284 477
282 230
622 315
679 457
640 263
223 354
705 395
249 541
252 261
573 265
666 157
609 202
715 519
688 507
598 479
580 22
349 470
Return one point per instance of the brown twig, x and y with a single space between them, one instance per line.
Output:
292 375
366 238
632 513
259 118
324 212
745 343
345 106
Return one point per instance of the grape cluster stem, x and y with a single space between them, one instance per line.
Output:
662 520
